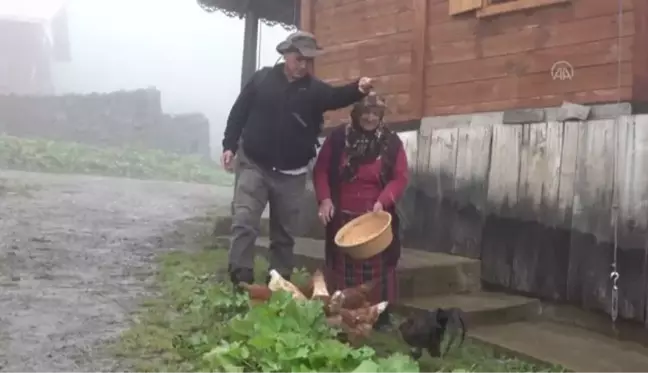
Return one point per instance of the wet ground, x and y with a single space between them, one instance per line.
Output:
76 256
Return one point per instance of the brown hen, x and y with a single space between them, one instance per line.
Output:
357 297
358 323
257 293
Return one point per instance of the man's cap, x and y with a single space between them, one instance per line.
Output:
302 42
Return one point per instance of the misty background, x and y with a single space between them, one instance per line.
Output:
191 56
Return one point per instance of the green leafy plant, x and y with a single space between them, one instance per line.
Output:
42 155
189 326
284 335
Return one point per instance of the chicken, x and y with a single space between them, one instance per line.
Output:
426 331
319 285
358 323
277 282
356 297
257 293
366 315
333 305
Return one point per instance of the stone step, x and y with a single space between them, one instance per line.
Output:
571 347
420 273
480 308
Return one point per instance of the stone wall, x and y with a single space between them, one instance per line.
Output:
133 118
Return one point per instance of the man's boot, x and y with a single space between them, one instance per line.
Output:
238 275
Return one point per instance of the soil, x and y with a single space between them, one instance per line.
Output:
77 255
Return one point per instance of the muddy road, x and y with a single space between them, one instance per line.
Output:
76 256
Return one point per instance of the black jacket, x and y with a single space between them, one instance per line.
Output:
280 121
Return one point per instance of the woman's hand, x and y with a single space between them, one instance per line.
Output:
377 207
326 211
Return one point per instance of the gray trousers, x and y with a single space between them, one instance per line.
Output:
255 187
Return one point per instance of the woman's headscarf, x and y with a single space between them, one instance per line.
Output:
364 146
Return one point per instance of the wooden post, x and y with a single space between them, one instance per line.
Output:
250 43
418 54
248 66
306 19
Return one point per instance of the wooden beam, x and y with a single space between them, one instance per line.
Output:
640 54
307 15
418 56
250 43
515 6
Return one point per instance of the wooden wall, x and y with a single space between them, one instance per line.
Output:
431 63
366 38
504 61
537 203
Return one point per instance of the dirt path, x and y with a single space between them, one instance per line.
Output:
76 254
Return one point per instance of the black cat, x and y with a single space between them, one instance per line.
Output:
426 331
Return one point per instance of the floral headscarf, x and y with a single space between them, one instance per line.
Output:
364 146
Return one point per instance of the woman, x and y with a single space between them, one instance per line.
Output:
361 167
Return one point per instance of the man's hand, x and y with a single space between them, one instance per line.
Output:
326 211
377 207
365 85
227 160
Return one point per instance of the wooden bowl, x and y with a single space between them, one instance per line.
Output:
366 236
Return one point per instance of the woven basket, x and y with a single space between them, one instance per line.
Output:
365 236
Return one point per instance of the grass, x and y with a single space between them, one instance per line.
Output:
40 155
149 344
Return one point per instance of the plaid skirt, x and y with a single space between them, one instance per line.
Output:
343 272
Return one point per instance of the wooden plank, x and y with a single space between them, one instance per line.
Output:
497 246
528 86
473 162
567 176
514 22
638 191
582 97
470 188
361 28
504 170
536 61
463 6
539 172
443 160
516 6
418 55
640 54
306 15
384 45
564 34
590 251
590 9
586 78
540 252
631 237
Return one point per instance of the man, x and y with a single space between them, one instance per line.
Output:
277 116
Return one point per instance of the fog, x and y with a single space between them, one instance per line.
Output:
191 56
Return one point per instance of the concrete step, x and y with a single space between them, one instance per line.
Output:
420 274
480 308
571 347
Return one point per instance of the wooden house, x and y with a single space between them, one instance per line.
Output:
502 172
551 203
440 57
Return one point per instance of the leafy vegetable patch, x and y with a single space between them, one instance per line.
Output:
41 155
199 324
